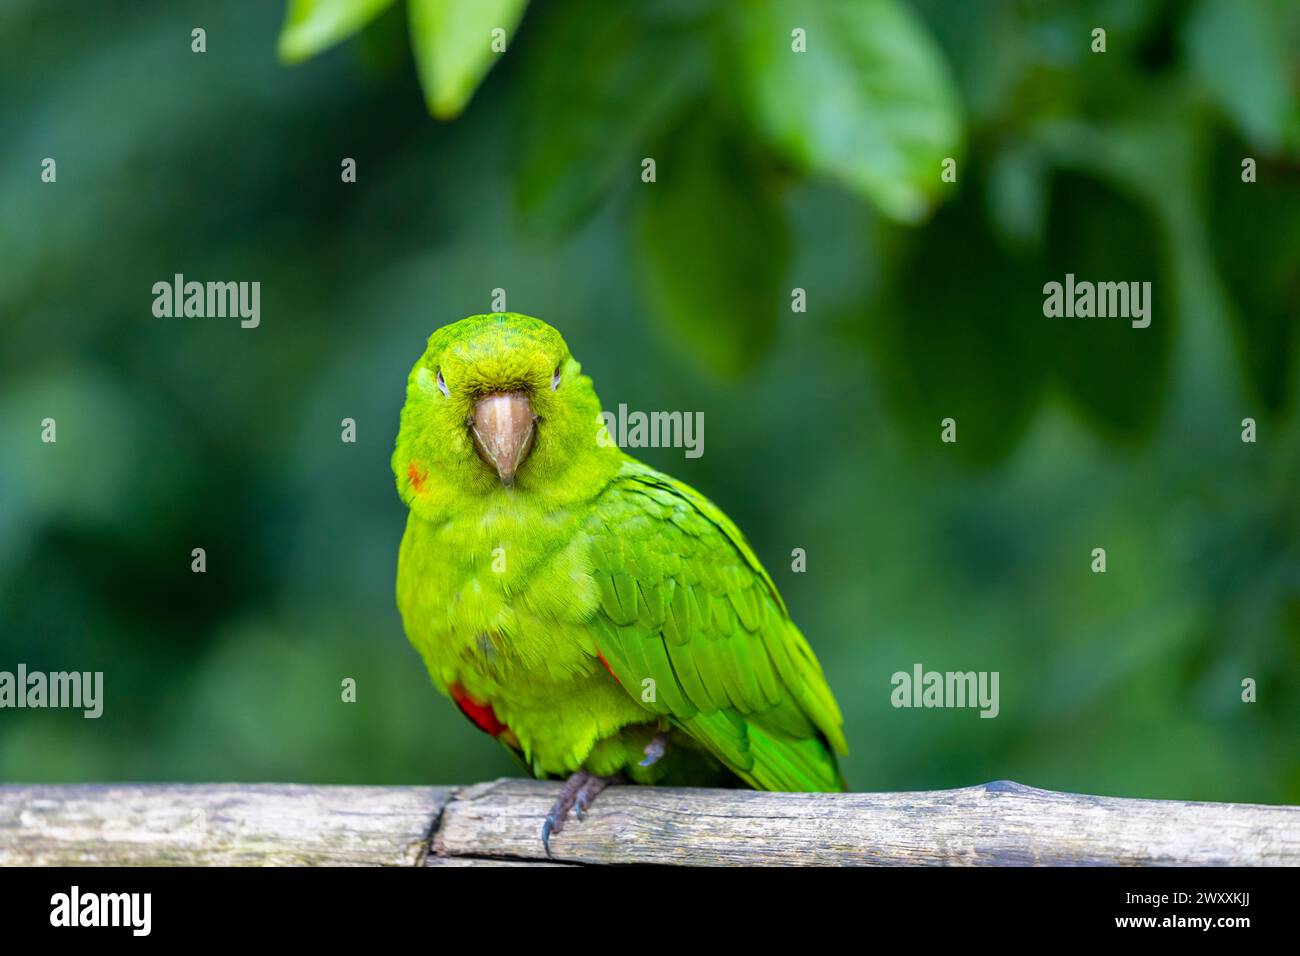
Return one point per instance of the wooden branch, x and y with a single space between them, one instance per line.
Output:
221 824
497 823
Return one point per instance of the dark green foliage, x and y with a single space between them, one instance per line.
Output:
924 301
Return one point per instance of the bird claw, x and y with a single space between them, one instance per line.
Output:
576 795
547 827
654 750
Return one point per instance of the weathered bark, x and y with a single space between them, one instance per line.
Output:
498 823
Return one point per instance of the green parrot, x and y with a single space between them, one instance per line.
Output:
600 619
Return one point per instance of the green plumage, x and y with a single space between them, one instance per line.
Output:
596 602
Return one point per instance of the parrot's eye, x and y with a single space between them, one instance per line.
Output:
555 379
442 385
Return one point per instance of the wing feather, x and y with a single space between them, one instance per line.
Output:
685 602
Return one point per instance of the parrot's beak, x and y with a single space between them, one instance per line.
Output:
503 427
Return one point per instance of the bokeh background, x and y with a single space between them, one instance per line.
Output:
822 428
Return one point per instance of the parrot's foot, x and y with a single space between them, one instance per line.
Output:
654 750
576 794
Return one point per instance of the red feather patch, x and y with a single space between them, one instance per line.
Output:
482 715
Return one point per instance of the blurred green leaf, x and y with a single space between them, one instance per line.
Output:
589 117
311 26
1115 372
453 40
870 103
1017 196
82 474
713 247
967 349
1256 242
1238 52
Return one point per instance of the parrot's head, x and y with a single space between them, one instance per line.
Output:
497 405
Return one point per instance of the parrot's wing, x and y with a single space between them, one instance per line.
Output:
686 604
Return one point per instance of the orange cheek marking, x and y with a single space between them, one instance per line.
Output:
416 476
